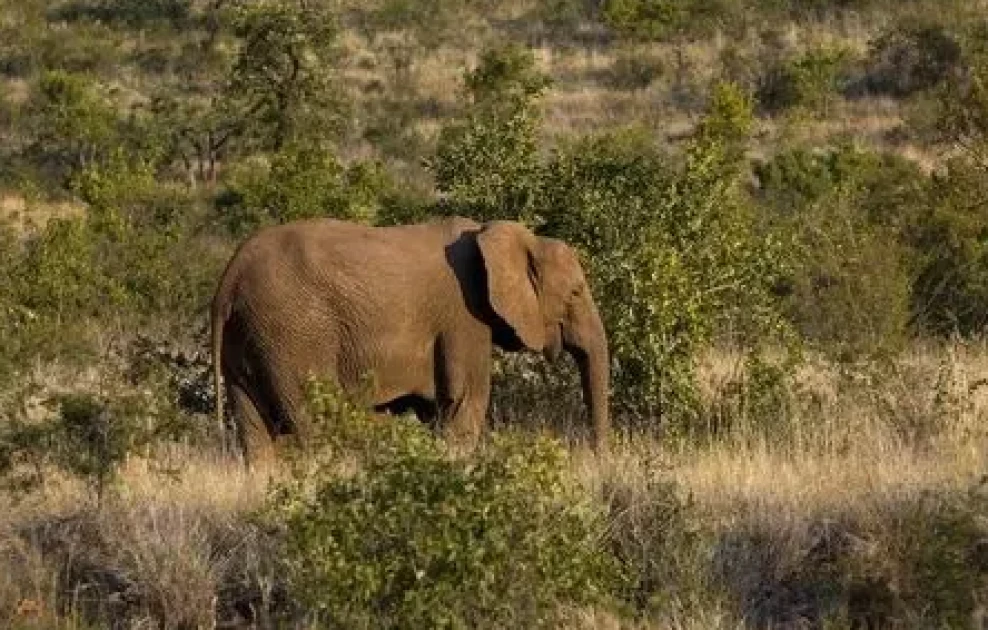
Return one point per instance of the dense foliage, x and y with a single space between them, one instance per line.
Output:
418 537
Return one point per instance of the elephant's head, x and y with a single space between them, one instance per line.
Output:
537 286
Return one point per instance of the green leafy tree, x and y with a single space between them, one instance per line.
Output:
73 120
190 108
282 83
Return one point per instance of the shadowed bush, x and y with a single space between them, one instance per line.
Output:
845 212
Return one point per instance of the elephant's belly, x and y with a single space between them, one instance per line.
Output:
395 369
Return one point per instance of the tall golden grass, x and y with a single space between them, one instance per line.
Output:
863 447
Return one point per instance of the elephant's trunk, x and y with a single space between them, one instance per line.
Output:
593 360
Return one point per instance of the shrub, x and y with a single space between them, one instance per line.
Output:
74 123
844 211
300 182
889 189
90 47
132 13
756 403
634 71
850 289
417 538
810 81
672 253
729 119
89 436
147 243
962 117
487 163
661 19
138 255
950 290
918 563
504 75
911 57
950 286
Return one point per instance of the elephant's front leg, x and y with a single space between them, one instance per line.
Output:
463 385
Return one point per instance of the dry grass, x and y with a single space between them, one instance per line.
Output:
855 500
773 512
587 93
168 551
24 216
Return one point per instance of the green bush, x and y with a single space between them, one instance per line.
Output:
138 255
148 246
962 112
950 287
635 71
487 163
889 190
132 13
950 291
88 436
418 538
810 81
87 47
74 122
844 212
300 182
662 19
672 251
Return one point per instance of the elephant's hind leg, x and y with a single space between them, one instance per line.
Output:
252 431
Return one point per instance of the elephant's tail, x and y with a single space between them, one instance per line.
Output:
220 313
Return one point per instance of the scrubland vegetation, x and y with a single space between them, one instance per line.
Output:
781 205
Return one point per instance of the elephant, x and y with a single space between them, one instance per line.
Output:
419 307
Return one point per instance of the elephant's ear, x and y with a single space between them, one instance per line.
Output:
507 250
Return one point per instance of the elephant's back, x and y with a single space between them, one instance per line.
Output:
310 281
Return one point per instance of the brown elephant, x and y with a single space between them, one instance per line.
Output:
417 306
